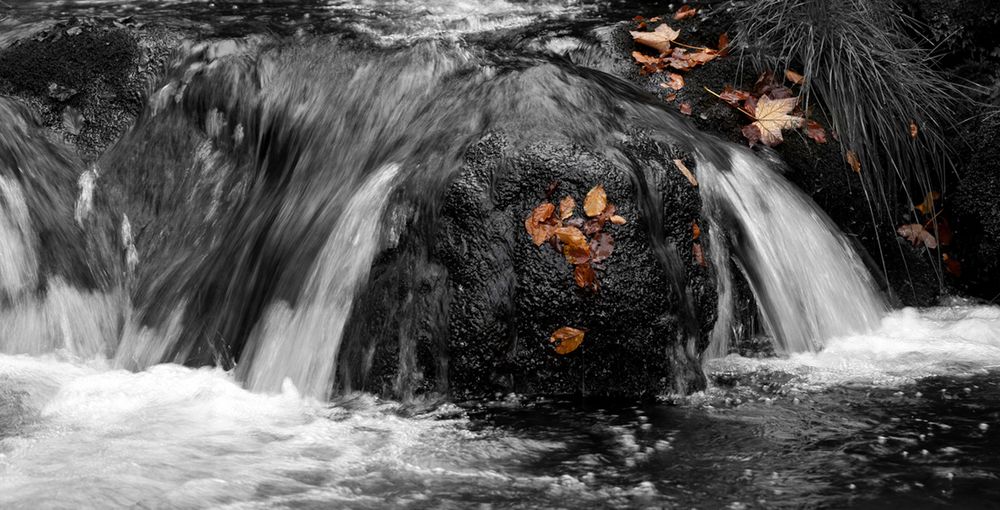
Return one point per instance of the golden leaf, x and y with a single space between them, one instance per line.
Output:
567 339
595 201
772 116
659 39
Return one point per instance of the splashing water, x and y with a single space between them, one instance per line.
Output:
808 281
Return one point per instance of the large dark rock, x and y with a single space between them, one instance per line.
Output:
976 205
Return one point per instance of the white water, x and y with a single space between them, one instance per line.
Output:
809 282
301 344
907 345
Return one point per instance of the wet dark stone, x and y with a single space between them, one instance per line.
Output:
976 204
86 78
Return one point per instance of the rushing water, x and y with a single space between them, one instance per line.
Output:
313 160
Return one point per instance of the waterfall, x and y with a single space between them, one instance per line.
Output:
809 283
301 341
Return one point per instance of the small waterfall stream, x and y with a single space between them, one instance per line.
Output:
809 283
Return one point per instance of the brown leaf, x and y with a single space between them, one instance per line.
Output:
699 254
751 133
914 130
951 265
772 117
539 231
815 131
551 189
852 159
659 39
566 207
650 65
676 81
685 108
566 339
733 96
695 231
687 173
917 234
575 246
585 277
595 201
601 246
669 97
794 77
617 220
685 12
928 204
723 42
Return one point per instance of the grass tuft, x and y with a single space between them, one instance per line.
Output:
866 70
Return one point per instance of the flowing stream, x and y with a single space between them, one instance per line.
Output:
311 160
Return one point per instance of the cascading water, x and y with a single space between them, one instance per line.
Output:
809 283
275 219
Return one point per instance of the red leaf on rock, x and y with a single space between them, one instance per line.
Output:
601 246
676 81
566 339
585 277
815 131
685 108
539 231
733 96
699 255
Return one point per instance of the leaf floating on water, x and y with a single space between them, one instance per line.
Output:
566 207
852 159
596 201
575 246
601 246
685 12
659 39
567 339
687 173
585 277
917 234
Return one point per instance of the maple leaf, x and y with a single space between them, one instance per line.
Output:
928 204
566 207
815 131
601 246
659 39
585 277
771 117
686 11
687 173
917 234
596 201
539 231
574 243
567 339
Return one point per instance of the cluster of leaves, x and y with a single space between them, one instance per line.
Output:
773 108
568 234
582 240
933 233
672 54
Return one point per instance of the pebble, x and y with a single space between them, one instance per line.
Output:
852 486
881 439
918 394
984 427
